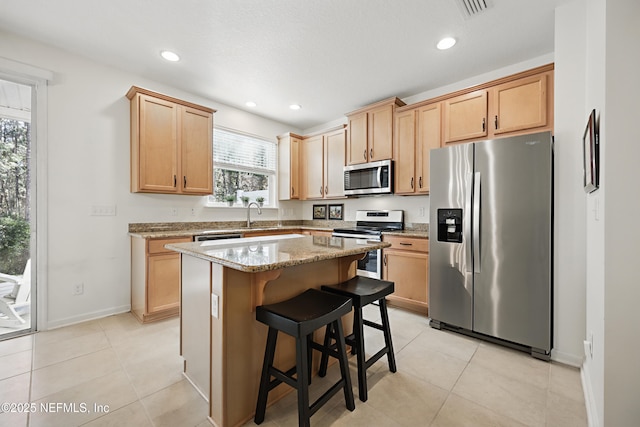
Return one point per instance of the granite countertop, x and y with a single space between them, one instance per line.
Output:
264 253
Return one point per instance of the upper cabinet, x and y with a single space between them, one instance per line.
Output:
171 144
417 131
289 166
323 161
514 105
370 134
465 117
521 104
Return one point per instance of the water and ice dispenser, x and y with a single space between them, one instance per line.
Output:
450 225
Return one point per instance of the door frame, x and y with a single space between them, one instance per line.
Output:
38 79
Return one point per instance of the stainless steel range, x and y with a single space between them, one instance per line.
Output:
369 226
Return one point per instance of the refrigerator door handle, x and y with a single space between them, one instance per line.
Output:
466 223
476 222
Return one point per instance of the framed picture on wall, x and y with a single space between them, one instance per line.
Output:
591 154
319 211
335 211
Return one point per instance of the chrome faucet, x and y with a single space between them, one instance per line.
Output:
249 212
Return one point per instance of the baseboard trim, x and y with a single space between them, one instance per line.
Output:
589 399
68 321
566 358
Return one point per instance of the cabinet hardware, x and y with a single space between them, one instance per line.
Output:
175 181
420 182
406 244
496 122
321 193
326 190
371 153
483 124
364 154
412 183
384 260
293 191
185 181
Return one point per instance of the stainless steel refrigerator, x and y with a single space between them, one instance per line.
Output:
490 243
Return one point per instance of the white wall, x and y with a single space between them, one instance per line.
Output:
88 164
617 279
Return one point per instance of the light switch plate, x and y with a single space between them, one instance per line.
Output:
214 305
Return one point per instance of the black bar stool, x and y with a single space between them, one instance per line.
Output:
363 291
299 317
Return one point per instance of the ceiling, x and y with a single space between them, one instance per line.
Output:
330 56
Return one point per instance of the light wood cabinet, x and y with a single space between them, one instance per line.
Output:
323 160
155 278
514 105
406 264
370 134
417 131
465 117
171 144
521 105
289 166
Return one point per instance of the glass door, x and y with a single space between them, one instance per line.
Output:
16 209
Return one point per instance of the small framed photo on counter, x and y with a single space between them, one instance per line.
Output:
335 211
319 211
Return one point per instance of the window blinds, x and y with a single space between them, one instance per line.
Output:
233 150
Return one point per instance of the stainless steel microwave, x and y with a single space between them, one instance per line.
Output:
369 178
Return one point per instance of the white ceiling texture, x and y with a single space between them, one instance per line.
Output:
330 56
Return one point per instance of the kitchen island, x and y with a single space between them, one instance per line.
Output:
222 283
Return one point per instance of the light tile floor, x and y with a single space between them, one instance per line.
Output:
117 372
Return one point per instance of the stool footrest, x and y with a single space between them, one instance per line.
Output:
282 377
373 359
373 324
326 396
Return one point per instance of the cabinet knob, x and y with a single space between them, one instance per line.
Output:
496 122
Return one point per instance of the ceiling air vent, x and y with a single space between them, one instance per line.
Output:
471 8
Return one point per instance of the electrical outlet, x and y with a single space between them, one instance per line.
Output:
193 211
174 211
78 289
214 305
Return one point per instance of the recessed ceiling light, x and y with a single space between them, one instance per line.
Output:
250 104
295 106
446 43
170 56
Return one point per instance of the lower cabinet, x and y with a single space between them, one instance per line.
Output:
155 278
406 263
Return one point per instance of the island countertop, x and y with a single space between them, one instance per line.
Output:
266 253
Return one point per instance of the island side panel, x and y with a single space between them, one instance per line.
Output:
238 340
194 322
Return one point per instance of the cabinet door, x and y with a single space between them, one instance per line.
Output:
158 152
294 168
520 105
334 147
428 137
405 153
196 141
409 271
357 139
313 154
380 133
163 289
465 117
